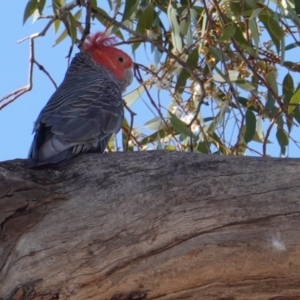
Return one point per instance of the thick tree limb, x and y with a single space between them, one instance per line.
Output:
151 225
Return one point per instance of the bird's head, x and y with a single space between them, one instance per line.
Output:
103 51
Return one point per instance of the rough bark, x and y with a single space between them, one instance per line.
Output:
151 225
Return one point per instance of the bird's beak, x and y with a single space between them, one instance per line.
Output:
128 76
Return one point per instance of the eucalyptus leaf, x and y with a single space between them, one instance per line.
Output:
250 126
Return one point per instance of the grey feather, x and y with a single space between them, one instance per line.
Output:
82 114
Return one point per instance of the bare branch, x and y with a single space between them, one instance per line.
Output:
46 72
87 28
36 35
129 134
19 92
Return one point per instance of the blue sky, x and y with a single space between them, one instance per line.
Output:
16 120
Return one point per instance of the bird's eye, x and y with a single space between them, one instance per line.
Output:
121 59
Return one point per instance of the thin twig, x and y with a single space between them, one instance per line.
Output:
129 134
46 72
38 34
19 92
87 28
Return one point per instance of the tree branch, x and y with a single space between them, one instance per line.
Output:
21 91
151 225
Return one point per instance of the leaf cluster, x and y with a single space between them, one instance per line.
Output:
215 84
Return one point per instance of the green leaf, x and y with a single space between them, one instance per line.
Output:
125 125
275 28
94 4
155 123
158 141
73 28
271 78
297 7
170 148
259 130
250 126
255 13
134 95
57 4
242 42
287 88
232 10
154 136
62 36
130 7
218 143
221 77
251 3
179 125
41 5
189 37
294 101
193 17
292 46
35 15
184 25
146 19
216 53
56 25
245 103
157 55
175 32
31 6
245 85
101 19
296 114
283 139
255 34
110 4
270 102
282 53
265 19
203 147
192 61
228 33
217 120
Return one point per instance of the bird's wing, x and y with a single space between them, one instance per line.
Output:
84 110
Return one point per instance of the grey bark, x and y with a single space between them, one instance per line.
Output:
151 225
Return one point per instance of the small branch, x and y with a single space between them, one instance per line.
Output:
46 72
36 35
19 92
87 28
129 134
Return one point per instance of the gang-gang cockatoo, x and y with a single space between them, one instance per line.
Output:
87 108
